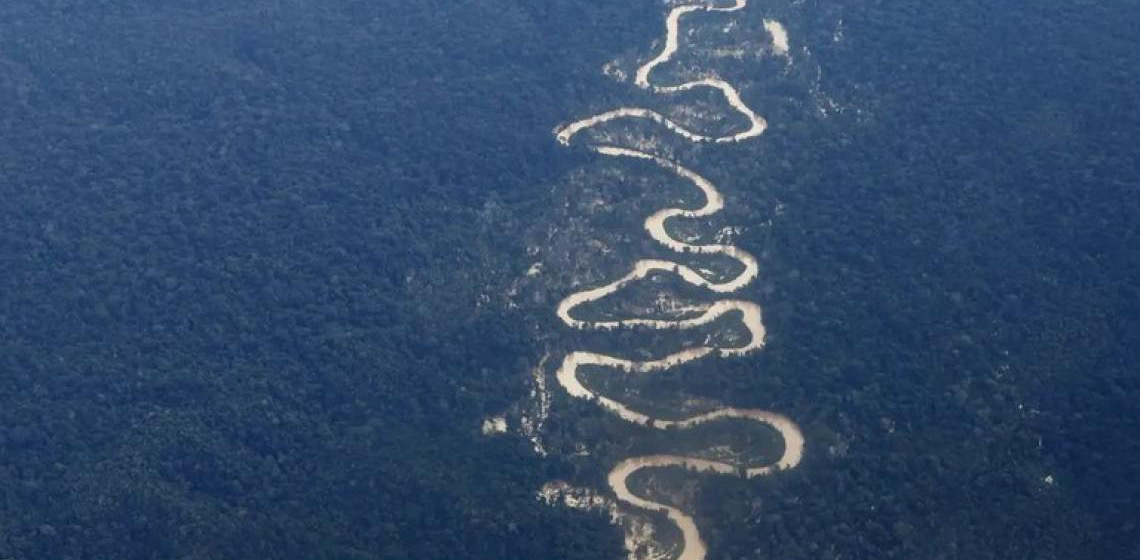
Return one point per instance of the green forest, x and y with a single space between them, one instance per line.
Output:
246 252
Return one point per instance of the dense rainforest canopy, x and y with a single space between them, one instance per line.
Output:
250 258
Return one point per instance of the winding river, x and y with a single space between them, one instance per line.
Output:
692 545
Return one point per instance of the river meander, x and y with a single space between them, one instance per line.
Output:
692 546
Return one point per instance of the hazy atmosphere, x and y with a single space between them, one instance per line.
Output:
569 279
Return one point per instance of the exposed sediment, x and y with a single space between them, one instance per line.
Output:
692 546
